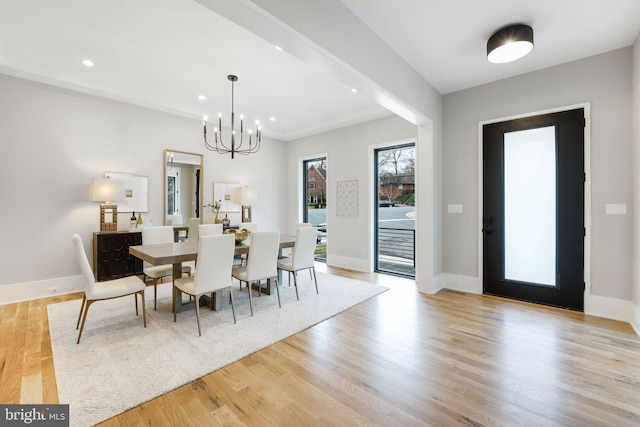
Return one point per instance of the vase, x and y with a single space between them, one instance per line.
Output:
216 220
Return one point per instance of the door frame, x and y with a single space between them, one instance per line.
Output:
587 190
376 226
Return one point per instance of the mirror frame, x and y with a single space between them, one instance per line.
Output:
164 182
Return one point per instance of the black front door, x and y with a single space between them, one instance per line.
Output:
533 209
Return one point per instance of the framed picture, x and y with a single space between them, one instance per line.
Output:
229 195
136 191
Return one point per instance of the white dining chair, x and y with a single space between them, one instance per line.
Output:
192 233
215 260
262 262
302 257
130 285
251 226
153 236
174 219
209 229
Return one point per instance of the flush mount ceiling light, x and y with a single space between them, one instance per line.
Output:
510 43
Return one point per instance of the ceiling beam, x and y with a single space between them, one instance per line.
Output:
328 36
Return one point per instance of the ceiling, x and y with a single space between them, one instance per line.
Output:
163 54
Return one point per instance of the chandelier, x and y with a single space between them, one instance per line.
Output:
231 146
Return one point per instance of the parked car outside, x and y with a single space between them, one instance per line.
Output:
386 203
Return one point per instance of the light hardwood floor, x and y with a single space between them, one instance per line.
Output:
399 359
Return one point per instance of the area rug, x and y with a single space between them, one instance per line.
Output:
119 364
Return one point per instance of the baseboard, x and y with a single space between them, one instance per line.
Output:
594 305
458 282
28 291
635 323
348 263
609 308
432 286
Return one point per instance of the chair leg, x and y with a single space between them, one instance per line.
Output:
233 305
144 308
275 280
250 299
84 301
135 297
295 284
198 316
174 299
315 279
289 277
154 283
84 317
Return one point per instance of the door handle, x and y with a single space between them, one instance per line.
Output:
487 227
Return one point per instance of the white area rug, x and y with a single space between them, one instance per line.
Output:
119 364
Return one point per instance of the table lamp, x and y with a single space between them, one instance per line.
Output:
106 191
248 197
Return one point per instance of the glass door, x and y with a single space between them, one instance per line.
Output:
533 209
315 201
395 231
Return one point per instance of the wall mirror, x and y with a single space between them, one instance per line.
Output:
183 183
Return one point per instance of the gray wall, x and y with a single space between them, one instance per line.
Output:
53 141
636 182
348 152
605 82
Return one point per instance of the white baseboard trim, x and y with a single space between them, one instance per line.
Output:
635 323
594 305
609 308
349 263
27 291
432 287
439 282
458 282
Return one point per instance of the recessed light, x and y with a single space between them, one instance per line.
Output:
272 119
278 48
201 97
87 63
354 90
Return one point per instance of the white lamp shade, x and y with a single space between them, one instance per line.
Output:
107 190
249 196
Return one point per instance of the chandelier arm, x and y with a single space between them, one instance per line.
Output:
222 150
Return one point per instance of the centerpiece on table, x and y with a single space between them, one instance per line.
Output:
240 235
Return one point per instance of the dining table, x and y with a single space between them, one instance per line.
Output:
178 252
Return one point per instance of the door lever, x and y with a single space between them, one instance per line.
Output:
488 225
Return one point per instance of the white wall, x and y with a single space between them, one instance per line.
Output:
53 141
348 158
605 82
636 184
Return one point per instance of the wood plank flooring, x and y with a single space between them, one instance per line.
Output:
399 359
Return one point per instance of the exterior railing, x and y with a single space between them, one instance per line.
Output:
397 243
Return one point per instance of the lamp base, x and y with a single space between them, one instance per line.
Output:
246 213
108 217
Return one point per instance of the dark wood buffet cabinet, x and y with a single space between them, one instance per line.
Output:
111 258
